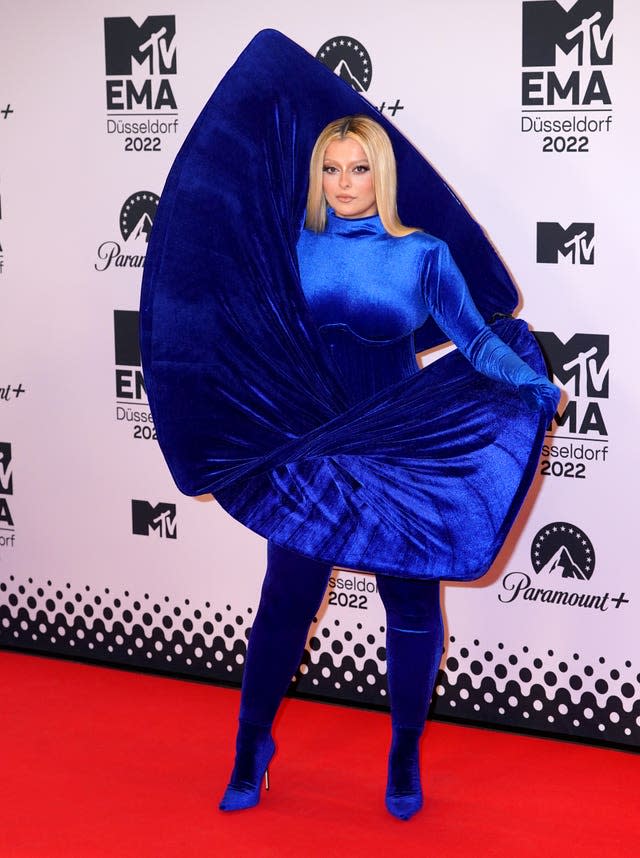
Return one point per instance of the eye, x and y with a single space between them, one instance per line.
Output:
361 168
328 168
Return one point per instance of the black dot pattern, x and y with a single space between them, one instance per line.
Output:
540 692
147 632
484 682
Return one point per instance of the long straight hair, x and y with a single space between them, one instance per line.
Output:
382 163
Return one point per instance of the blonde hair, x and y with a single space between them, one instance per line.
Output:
379 151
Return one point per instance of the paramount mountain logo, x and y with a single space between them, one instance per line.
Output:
349 59
136 219
561 553
564 550
136 216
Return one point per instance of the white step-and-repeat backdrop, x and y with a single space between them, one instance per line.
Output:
530 111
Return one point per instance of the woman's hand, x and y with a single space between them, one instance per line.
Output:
541 394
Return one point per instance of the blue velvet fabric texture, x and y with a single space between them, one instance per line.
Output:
421 479
291 595
369 292
415 637
292 592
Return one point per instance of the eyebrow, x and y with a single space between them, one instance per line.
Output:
349 164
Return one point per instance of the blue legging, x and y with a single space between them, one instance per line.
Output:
291 596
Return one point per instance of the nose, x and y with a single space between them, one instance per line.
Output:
345 181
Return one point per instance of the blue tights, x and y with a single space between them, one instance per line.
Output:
292 592
291 596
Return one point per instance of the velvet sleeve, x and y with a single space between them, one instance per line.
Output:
452 307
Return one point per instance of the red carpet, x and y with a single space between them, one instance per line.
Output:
105 762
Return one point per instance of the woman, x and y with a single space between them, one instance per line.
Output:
281 374
370 282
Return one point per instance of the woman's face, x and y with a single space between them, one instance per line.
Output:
347 180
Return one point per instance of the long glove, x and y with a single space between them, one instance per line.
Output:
491 356
452 307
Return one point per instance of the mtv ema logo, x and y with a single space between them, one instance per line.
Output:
7 535
159 519
582 33
140 62
564 550
136 219
129 380
131 396
570 50
574 244
581 366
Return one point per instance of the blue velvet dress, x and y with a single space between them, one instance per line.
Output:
368 292
305 416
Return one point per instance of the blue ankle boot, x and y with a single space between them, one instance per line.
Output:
403 797
254 749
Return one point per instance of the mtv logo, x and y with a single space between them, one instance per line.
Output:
581 361
6 469
576 243
127 343
152 44
159 519
585 30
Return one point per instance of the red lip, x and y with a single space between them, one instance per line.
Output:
345 199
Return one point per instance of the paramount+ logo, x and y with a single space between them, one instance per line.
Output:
561 554
135 221
347 57
574 245
159 520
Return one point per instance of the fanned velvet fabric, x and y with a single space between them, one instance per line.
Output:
421 479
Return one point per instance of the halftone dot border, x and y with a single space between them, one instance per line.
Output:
501 684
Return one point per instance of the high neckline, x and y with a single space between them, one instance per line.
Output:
371 225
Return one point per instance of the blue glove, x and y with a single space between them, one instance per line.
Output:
453 309
542 394
493 357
